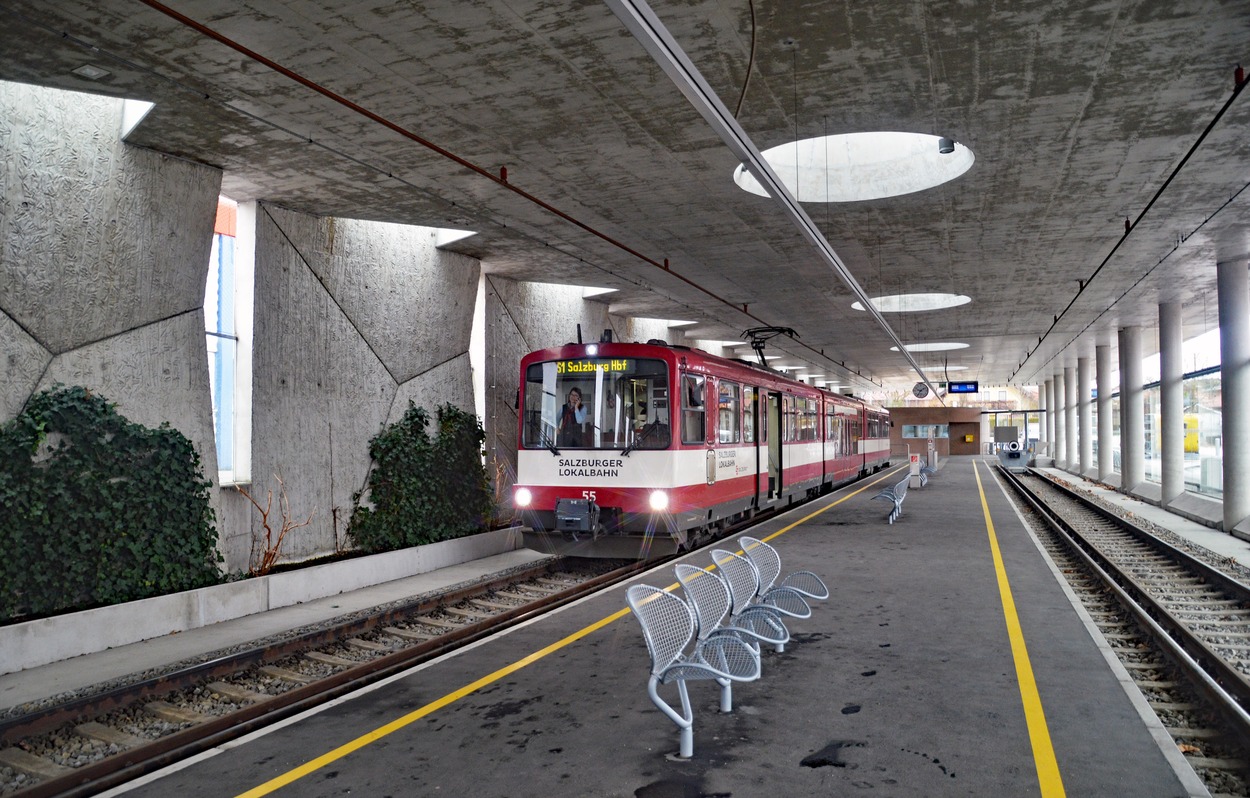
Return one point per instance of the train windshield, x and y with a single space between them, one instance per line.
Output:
596 403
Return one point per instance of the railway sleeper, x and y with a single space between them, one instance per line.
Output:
1211 763
411 635
439 623
29 764
286 674
1194 733
367 645
329 659
168 712
93 730
487 604
468 614
236 693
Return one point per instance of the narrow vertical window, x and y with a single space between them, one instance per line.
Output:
228 324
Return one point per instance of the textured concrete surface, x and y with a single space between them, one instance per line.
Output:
99 238
22 361
1077 117
103 258
902 684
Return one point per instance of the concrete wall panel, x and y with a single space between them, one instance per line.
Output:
400 293
22 361
321 384
448 382
96 237
318 392
154 374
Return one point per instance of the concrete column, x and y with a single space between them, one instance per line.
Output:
1234 301
1073 460
1106 442
1046 399
1084 419
1061 452
1171 401
1132 424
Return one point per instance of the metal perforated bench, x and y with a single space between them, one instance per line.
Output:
895 495
744 588
712 600
668 627
767 563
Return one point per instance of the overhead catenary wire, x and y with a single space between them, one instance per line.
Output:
499 179
655 38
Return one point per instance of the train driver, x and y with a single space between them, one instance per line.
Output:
572 417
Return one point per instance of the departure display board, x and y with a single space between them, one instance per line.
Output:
962 387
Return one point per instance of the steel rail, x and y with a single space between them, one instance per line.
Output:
139 761
1227 689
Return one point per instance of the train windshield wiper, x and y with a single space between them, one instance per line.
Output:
549 442
642 436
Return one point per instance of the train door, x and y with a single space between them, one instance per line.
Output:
751 434
774 445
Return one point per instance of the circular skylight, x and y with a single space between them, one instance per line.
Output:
907 303
860 166
936 347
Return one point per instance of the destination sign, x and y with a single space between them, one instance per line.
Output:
591 366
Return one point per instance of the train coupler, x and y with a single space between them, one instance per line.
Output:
577 516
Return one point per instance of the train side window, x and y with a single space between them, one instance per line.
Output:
693 414
728 413
808 420
789 431
748 414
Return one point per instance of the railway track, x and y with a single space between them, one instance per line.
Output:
1178 619
82 744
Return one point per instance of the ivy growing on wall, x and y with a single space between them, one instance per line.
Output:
97 510
423 489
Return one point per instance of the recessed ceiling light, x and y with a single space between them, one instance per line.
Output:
945 368
90 72
589 292
907 303
860 166
679 323
938 347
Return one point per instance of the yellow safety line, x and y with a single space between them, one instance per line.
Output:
1048 775
395 725
365 739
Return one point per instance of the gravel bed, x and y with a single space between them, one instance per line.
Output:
130 679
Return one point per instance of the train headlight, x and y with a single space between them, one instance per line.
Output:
523 497
659 501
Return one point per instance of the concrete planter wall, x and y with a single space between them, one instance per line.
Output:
34 643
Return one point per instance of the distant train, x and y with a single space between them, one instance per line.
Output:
639 450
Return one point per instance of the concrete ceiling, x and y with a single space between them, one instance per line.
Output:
1081 115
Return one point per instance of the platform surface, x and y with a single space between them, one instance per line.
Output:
936 668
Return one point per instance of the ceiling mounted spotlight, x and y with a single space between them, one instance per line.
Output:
946 146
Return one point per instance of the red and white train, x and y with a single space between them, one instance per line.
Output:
638 450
